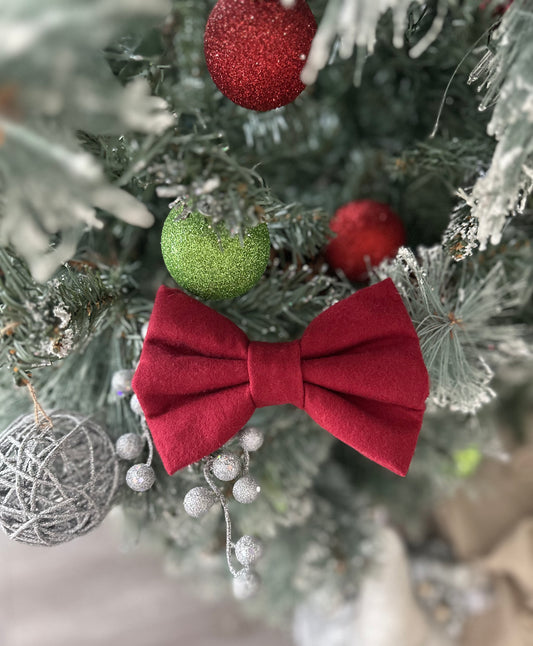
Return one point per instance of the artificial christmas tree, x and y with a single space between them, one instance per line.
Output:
108 117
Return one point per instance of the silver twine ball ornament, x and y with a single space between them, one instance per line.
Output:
56 482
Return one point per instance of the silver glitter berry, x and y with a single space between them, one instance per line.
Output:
198 501
129 446
251 438
121 382
245 584
246 490
135 405
248 550
226 466
140 477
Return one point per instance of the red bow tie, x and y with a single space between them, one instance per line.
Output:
357 371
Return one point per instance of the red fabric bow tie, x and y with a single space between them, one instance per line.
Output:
357 371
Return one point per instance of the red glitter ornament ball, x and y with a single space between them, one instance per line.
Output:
365 230
256 49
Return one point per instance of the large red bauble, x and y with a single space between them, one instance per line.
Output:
256 49
365 230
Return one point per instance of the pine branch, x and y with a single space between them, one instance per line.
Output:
460 239
285 302
49 187
463 316
202 176
43 323
352 25
454 161
506 74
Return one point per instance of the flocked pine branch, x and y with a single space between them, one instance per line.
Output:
453 160
351 24
460 238
330 551
68 336
51 55
42 323
57 82
463 316
285 302
49 192
505 73
202 175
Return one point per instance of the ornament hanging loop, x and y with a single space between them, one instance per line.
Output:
41 418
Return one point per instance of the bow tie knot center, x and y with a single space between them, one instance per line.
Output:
275 373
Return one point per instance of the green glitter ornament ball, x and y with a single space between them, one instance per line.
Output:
205 260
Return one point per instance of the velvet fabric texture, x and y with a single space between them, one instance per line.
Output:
357 371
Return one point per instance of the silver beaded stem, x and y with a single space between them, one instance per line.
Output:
224 504
149 442
225 465
245 461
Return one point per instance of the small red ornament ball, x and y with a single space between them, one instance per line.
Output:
256 49
365 230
